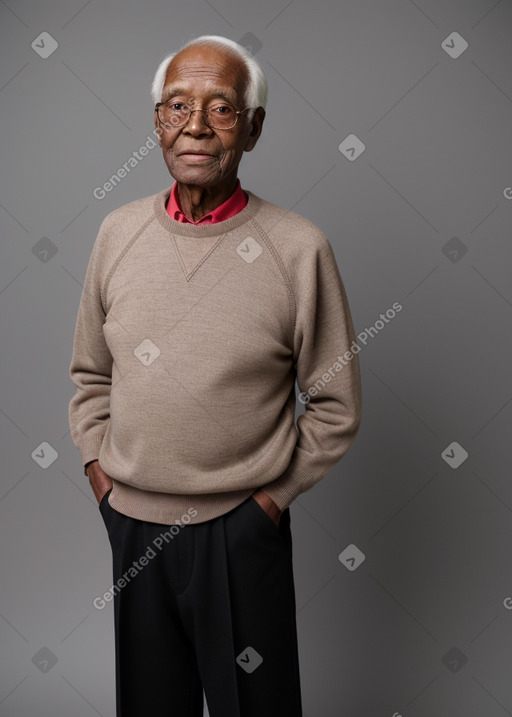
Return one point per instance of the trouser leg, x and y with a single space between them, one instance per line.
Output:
156 668
239 610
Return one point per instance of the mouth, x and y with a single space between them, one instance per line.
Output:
195 156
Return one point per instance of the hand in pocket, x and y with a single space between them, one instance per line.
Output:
100 481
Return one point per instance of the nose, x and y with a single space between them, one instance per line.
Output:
196 124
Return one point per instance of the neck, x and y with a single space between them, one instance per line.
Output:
197 200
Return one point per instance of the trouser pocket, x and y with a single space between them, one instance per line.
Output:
264 516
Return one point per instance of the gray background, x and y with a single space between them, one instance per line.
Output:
422 627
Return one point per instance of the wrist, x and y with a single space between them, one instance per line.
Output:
267 502
88 464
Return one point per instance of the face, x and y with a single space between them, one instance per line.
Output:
200 76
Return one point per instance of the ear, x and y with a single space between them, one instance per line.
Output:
256 125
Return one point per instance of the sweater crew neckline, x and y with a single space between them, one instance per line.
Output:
199 231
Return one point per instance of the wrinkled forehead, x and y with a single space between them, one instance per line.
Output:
205 70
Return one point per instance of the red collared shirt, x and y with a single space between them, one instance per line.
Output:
233 204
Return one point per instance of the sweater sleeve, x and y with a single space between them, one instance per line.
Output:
91 362
328 376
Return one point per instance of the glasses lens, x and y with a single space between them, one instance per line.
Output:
221 117
174 114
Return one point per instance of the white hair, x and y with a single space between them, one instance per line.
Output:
256 91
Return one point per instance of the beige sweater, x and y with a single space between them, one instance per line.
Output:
188 341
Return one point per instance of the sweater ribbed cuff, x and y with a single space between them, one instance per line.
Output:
284 489
90 448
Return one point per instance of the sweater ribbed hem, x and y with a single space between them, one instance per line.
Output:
170 508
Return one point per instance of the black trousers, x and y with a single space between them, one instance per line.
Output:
204 606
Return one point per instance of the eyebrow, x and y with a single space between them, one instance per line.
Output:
169 92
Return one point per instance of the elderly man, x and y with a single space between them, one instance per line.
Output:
202 305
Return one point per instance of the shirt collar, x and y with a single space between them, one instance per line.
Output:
233 204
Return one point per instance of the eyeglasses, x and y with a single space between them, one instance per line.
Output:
177 114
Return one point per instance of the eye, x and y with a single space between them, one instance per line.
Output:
222 109
177 106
